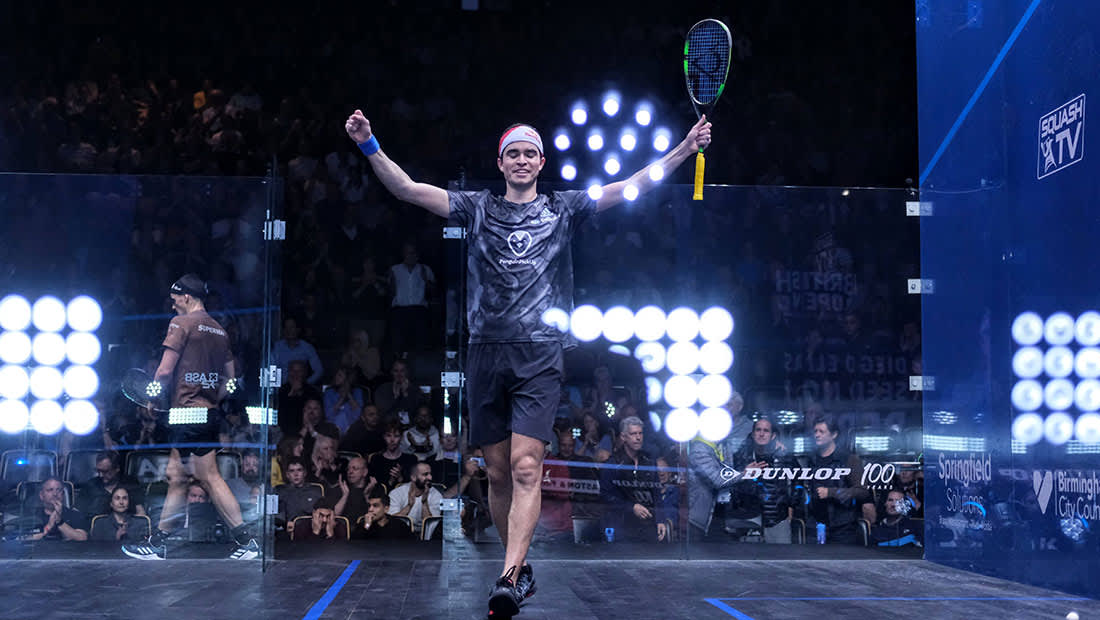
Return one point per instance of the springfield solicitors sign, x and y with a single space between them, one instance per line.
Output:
963 478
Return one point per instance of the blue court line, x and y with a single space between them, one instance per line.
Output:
726 608
319 607
978 91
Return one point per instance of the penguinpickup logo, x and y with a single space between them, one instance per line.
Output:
1061 137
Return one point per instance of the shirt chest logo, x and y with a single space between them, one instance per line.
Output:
519 242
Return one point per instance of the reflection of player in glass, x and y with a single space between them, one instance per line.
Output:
519 265
197 366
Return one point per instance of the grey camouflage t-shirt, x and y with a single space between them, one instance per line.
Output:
519 262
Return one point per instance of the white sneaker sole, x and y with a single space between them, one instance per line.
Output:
138 556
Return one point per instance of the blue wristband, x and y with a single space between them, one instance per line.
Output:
370 147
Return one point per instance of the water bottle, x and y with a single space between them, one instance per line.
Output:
821 533
452 519
609 533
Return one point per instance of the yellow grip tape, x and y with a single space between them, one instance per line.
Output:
700 163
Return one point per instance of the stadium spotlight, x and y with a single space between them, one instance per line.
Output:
47 417
715 324
643 114
682 324
15 313
649 323
1028 428
682 424
683 357
611 103
46 383
80 417
618 324
652 356
715 424
595 190
557 318
628 140
586 323
561 140
84 314
656 172
15 347
14 416
82 348
595 140
14 382
48 314
662 139
715 357
611 165
681 391
630 192
1058 428
579 113
48 348
569 171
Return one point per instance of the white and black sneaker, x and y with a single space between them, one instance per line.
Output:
251 551
145 551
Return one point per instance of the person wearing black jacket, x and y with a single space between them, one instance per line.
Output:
836 501
767 498
629 486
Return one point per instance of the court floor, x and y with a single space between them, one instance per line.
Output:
432 589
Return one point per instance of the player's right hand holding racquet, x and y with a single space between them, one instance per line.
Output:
358 127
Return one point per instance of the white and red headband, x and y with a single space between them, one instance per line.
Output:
520 133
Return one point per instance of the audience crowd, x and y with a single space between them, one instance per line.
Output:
365 446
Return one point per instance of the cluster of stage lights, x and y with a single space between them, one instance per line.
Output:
46 354
615 147
1049 352
698 389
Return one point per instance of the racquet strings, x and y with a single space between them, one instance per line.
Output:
706 60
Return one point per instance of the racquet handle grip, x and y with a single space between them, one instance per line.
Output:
700 163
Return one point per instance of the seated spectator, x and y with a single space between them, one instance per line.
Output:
711 475
390 466
397 397
296 497
584 500
292 348
53 520
146 429
288 447
629 492
365 434
422 440
836 503
595 440
293 396
417 499
377 524
322 525
199 516
249 479
896 528
447 466
329 468
314 425
120 524
556 517
911 482
96 495
235 428
353 491
766 502
668 495
343 401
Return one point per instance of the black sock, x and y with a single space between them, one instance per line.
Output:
241 534
158 537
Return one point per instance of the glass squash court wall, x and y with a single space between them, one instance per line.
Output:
815 281
1011 429
115 244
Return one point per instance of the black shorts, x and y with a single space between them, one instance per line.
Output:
513 387
186 436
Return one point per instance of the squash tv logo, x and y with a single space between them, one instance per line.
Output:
1061 137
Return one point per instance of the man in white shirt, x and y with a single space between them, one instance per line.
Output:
417 499
411 283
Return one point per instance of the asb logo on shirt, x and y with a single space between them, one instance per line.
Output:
519 242
1061 142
